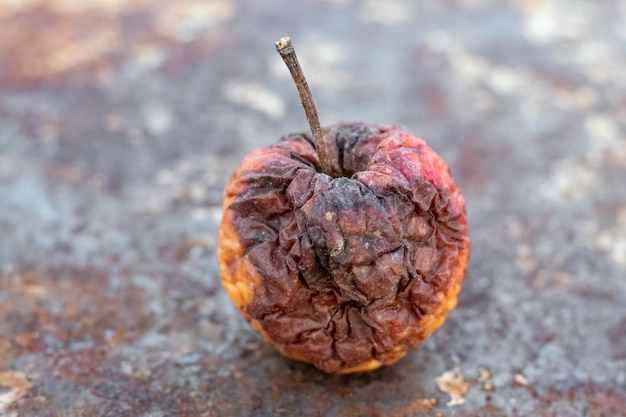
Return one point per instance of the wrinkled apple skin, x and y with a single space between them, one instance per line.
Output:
349 271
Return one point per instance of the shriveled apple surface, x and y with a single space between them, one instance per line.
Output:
120 122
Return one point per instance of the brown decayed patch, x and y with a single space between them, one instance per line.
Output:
17 383
590 399
345 273
51 311
49 41
42 44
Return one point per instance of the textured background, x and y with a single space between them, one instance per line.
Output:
120 121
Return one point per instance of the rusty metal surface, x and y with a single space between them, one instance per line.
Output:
120 121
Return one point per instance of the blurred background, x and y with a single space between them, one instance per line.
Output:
121 120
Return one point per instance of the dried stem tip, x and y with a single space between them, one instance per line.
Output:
288 53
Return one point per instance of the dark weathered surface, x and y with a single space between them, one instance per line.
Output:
120 122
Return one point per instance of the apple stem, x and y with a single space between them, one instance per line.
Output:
288 54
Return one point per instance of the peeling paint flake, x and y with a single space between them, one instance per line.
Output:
556 20
255 97
18 385
569 179
158 118
453 383
187 19
390 12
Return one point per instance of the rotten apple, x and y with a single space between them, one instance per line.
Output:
346 248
